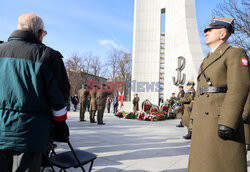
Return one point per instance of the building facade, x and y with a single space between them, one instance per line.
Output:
165 31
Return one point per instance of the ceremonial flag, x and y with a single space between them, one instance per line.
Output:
121 98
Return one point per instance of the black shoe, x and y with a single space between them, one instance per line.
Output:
82 120
180 125
101 123
188 136
92 122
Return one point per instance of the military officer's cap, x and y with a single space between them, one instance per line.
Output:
180 86
85 84
103 84
221 22
190 83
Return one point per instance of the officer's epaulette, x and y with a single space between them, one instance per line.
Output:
236 47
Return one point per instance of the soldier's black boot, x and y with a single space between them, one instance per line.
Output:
189 135
180 125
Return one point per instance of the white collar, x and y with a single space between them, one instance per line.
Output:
213 50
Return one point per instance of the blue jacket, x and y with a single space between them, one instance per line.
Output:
33 82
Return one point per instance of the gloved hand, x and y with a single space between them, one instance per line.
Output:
245 119
225 132
60 131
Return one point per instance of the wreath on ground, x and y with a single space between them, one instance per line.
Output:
150 112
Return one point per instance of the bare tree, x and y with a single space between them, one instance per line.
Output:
119 63
113 60
75 69
239 10
95 66
75 63
124 70
88 58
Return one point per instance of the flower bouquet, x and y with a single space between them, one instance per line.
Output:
149 117
146 105
141 115
159 116
119 115
130 115
154 108
164 107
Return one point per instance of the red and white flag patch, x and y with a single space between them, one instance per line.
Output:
244 61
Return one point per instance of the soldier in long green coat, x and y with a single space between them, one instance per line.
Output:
101 97
246 120
180 95
187 101
83 99
136 103
93 104
218 142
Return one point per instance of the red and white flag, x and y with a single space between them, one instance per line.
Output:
121 98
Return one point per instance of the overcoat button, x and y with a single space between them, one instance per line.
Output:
206 113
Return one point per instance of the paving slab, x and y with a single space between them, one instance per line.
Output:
131 145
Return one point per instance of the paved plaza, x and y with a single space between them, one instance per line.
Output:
131 145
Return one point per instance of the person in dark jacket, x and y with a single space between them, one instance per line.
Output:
34 91
115 101
75 101
109 101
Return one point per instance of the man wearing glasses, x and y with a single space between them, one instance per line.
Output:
34 89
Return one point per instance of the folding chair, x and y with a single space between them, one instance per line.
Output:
72 158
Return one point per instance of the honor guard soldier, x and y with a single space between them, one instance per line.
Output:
180 95
93 103
246 120
187 101
101 96
136 103
83 99
218 142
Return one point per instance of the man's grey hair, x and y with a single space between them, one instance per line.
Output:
30 22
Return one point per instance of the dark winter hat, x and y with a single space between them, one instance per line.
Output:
221 22
190 83
85 84
103 84
180 86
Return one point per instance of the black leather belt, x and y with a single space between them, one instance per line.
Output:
212 90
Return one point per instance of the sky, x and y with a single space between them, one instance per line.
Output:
83 26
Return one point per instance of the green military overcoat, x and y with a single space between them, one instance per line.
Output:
208 152
247 126
101 98
136 103
93 100
180 95
186 100
83 95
